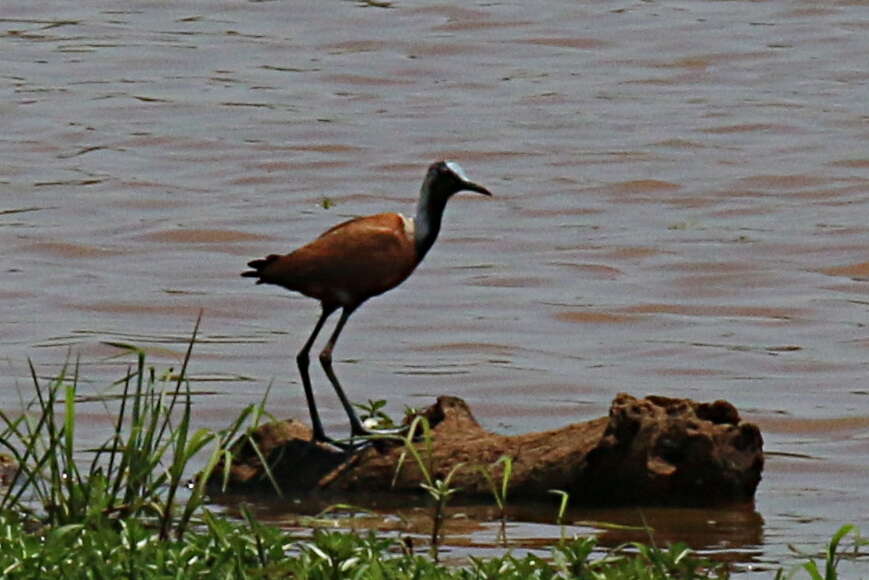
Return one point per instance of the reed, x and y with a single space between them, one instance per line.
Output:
440 490
139 472
500 489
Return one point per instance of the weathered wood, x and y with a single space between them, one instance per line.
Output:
652 450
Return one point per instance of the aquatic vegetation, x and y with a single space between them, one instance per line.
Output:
439 489
226 549
138 472
833 555
127 509
499 492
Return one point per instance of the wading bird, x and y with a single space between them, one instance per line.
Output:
358 259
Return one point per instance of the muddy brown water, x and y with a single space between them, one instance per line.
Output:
681 208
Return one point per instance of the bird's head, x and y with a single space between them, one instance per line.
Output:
445 178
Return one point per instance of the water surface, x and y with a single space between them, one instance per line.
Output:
681 191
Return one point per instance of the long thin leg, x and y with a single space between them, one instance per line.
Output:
303 361
356 427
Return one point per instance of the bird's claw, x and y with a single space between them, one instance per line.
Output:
363 438
375 433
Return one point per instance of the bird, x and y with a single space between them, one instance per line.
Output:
357 260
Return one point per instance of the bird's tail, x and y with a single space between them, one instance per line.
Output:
258 267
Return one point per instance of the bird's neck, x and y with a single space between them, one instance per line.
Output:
427 223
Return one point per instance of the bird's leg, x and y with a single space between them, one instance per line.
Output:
303 361
356 427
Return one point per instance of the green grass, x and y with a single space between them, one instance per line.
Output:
440 490
221 548
129 508
138 472
225 549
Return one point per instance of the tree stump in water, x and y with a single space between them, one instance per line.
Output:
647 451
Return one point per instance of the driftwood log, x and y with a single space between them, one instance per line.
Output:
655 450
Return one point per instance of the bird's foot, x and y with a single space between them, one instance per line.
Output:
348 446
379 438
362 437
352 445
373 435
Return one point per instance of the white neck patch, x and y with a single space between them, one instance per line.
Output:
457 169
408 226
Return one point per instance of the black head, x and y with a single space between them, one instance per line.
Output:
445 178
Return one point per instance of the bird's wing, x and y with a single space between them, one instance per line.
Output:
350 262
350 224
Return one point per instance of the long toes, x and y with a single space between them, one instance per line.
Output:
347 446
325 439
352 447
363 432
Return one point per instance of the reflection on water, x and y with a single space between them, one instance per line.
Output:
680 209
734 533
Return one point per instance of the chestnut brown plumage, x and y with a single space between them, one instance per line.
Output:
356 260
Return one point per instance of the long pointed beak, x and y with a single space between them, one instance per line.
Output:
471 186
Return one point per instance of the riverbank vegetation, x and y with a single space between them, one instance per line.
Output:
132 508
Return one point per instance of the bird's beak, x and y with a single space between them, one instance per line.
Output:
471 186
